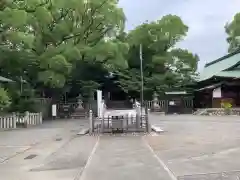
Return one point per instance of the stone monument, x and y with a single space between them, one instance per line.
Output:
79 111
79 102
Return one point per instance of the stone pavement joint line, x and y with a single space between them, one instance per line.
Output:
170 173
81 175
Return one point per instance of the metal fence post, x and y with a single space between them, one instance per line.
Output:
1 122
91 128
102 123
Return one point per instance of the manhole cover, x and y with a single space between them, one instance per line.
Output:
31 156
58 139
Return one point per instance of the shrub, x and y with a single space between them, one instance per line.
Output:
227 107
5 100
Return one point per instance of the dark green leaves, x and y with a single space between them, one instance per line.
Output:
233 31
164 67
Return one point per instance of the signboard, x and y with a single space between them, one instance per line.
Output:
171 103
66 107
54 110
217 93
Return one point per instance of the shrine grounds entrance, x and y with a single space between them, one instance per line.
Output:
120 121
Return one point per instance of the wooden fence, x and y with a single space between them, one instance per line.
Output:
15 120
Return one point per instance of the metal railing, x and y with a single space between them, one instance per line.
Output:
119 123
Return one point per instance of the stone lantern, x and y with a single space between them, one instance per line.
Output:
155 101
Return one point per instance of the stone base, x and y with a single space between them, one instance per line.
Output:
218 112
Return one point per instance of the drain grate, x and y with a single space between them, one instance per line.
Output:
58 139
30 156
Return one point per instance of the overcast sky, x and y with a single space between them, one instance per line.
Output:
205 18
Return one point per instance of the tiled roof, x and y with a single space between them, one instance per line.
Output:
221 67
3 79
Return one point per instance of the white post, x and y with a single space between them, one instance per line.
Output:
40 117
8 120
99 103
29 118
148 121
54 110
35 118
91 122
4 122
138 116
14 121
26 119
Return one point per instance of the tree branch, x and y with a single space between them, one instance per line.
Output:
92 19
63 15
100 37
87 28
34 9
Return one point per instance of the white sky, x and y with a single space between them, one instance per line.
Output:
205 18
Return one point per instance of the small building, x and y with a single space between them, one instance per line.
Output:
173 102
179 102
219 82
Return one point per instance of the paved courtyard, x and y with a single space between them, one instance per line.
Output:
197 147
192 147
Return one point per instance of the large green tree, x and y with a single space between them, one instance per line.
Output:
73 46
233 32
45 41
165 66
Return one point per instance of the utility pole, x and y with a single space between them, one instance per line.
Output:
141 69
21 84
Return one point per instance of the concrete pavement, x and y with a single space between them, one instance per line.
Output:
41 141
191 147
54 151
123 158
55 160
199 147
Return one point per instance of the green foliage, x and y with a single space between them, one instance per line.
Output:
233 31
5 100
165 67
59 32
227 106
22 101
60 46
88 89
